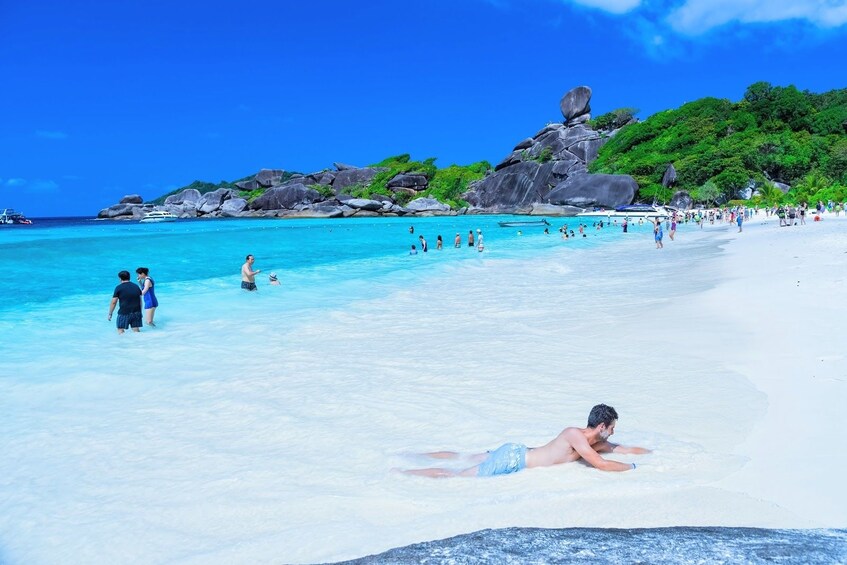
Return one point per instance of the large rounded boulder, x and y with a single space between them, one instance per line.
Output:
575 103
588 190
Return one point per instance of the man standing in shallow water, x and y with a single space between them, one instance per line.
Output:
129 295
248 275
570 445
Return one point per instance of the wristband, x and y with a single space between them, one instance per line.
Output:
633 465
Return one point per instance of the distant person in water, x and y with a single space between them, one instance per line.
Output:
657 232
458 241
413 251
480 246
424 248
572 444
411 229
470 238
248 275
129 296
148 294
273 279
439 243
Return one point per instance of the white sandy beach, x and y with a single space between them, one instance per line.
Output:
274 442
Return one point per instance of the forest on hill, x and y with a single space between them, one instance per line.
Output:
720 149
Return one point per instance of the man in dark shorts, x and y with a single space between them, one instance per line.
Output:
129 295
248 275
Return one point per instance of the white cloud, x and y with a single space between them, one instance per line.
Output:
46 134
37 185
696 17
613 6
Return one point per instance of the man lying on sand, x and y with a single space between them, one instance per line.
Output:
570 445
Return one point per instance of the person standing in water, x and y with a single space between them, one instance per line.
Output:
148 294
424 247
248 275
657 232
458 241
572 444
129 296
439 243
479 245
470 238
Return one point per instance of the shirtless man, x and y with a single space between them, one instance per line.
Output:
248 275
570 445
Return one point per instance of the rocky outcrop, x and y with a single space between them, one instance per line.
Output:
413 181
588 190
546 174
669 178
211 201
575 105
427 205
682 200
535 166
188 195
285 197
233 207
345 178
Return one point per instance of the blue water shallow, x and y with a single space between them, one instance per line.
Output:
640 545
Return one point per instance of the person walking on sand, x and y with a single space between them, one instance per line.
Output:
148 294
129 296
657 233
248 275
739 219
572 444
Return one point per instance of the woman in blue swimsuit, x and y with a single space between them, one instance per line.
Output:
147 294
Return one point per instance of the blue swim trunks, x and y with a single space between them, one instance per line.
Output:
508 458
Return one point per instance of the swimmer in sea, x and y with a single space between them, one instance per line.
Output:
572 444
458 241
248 275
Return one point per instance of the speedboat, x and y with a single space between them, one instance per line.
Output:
648 211
158 216
8 216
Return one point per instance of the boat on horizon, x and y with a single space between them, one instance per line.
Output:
524 223
158 216
648 211
8 216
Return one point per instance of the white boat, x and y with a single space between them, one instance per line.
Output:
158 216
629 211
9 216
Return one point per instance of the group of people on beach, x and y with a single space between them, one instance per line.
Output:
457 242
129 297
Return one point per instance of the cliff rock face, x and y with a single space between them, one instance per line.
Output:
547 161
588 190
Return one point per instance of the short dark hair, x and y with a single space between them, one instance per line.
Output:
247 258
601 414
123 275
142 271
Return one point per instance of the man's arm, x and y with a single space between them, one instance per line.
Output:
112 307
609 447
581 446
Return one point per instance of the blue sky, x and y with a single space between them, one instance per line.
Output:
103 99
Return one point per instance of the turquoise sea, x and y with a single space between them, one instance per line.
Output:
58 259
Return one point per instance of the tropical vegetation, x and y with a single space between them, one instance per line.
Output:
720 148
